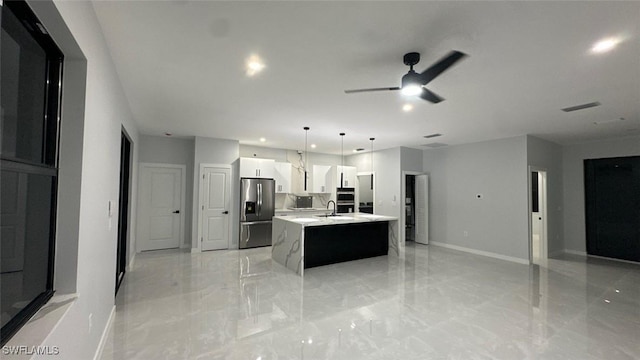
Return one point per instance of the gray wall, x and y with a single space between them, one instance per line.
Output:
573 175
216 151
165 150
548 155
94 113
497 169
411 159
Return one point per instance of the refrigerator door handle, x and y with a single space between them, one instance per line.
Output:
259 200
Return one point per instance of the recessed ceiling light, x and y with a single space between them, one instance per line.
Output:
254 65
263 139
313 146
407 107
605 45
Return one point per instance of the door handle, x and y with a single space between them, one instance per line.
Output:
177 212
225 212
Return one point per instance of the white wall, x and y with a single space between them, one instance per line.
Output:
158 149
548 155
106 111
498 223
216 151
573 157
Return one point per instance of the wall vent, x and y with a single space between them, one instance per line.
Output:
431 136
580 107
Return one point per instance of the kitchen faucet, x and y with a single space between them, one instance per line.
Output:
334 207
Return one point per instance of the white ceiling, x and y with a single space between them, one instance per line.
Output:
182 68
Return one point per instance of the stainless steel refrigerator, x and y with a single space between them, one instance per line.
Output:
257 207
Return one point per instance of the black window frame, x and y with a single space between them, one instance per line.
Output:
48 165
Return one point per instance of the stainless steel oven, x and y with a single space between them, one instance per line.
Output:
345 200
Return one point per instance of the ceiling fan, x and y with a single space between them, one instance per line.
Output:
413 83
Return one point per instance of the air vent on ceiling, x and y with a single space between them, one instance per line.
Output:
431 136
582 106
434 145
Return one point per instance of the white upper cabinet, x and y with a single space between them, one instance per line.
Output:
257 168
283 177
349 176
321 177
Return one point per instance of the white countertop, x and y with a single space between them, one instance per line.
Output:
350 218
290 210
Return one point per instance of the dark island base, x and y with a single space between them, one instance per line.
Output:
325 245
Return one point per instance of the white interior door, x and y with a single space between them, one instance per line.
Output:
215 187
161 208
422 209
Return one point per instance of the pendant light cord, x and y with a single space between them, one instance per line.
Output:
342 156
306 155
372 162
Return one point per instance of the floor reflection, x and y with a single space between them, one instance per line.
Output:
434 303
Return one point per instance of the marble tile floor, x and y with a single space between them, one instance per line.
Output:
435 304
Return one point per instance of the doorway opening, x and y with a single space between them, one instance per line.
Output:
538 216
123 210
612 204
414 224
410 208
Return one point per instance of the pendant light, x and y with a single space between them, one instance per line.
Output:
306 155
372 162
342 155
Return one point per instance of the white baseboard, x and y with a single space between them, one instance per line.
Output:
480 252
105 335
195 250
575 252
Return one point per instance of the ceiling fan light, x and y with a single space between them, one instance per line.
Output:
411 90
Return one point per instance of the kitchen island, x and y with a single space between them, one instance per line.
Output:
302 242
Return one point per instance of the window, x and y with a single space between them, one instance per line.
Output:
30 69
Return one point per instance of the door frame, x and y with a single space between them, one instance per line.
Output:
183 191
201 202
543 193
122 248
403 196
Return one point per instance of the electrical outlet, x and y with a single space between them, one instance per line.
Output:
466 233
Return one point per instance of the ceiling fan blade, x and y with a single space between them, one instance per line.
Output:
429 96
440 66
370 90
